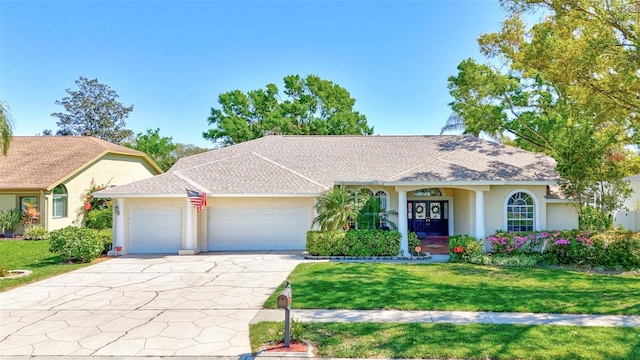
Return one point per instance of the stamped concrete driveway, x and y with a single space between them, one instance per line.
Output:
141 306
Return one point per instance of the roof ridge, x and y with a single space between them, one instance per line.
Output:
412 168
210 162
290 170
190 182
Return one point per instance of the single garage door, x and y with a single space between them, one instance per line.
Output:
155 231
258 229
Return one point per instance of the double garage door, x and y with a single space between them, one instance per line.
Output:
160 230
258 228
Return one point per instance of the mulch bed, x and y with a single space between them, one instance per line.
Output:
294 346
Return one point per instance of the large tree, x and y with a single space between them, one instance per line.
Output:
93 110
159 148
309 106
6 127
567 85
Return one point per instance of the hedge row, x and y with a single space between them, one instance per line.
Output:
353 243
608 249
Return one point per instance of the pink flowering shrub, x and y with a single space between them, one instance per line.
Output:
509 242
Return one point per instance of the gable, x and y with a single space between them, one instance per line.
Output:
42 162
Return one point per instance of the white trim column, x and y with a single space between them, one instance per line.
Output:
402 223
118 233
480 232
189 247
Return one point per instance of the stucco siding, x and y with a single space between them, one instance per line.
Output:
111 170
634 199
7 201
464 220
561 217
495 210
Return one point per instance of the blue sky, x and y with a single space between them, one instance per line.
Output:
171 59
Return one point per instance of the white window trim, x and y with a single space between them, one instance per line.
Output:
66 203
536 208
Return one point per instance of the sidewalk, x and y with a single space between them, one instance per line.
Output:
451 317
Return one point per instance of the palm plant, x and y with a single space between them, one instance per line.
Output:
455 123
6 128
337 208
374 216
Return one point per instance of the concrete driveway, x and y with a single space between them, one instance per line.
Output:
143 306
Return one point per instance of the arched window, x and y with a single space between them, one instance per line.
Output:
384 199
59 201
428 192
520 212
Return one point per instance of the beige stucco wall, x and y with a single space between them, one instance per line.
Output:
465 203
111 169
8 201
495 201
561 216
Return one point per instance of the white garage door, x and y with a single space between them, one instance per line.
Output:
258 229
155 231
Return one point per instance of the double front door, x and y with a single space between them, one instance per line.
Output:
429 217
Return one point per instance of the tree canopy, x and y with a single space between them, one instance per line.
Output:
93 110
567 86
162 149
308 106
159 148
6 128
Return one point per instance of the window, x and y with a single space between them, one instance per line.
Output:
428 192
377 194
29 208
28 202
59 202
520 212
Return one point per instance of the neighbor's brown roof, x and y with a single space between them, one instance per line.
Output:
311 164
40 162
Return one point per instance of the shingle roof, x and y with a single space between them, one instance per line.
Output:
310 164
40 162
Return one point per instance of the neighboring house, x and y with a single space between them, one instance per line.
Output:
628 216
53 172
261 193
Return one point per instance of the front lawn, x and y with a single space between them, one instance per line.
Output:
34 256
446 341
460 287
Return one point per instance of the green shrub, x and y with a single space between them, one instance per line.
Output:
413 242
76 244
611 249
518 260
36 232
99 218
106 235
464 248
353 243
625 251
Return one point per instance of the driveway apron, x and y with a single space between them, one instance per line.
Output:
144 306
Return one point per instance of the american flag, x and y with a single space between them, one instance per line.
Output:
198 199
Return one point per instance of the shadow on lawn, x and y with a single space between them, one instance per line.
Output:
478 341
471 288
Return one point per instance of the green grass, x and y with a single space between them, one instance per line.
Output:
446 341
34 256
460 287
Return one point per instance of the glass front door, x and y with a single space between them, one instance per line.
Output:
428 217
